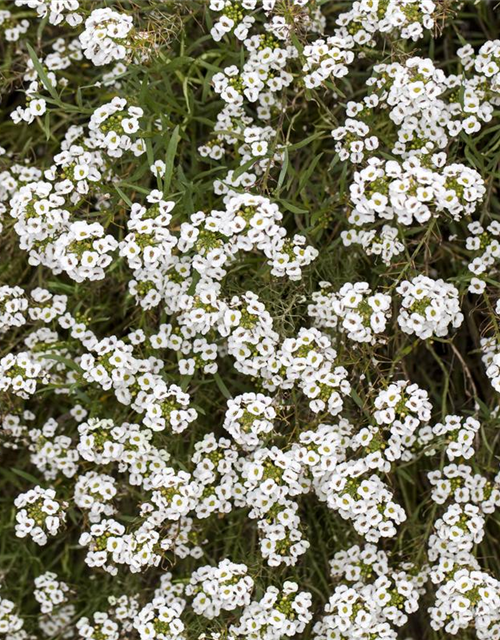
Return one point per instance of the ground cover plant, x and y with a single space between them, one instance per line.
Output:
249 319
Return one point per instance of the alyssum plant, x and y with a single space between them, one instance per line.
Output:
249 319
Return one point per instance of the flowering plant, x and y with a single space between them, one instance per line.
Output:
249 319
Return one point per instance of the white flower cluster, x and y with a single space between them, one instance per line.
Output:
160 619
12 28
327 58
50 592
56 11
385 243
367 502
460 483
484 243
342 462
39 514
485 63
406 19
94 493
420 104
270 478
466 596
280 613
491 358
16 308
249 418
224 587
11 625
415 95
112 128
459 435
13 304
405 410
410 192
353 310
376 599
106 36
135 382
429 307
100 626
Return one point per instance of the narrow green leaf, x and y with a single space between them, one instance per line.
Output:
222 387
42 73
25 475
170 159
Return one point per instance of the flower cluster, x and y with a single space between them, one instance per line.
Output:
106 36
410 192
39 514
280 613
50 592
249 416
375 599
224 587
428 307
353 310
11 625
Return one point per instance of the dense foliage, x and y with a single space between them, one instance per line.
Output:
249 319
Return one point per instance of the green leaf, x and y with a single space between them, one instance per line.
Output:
170 159
291 207
123 195
244 167
304 178
25 475
283 171
42 73
222 387
71 364
356 398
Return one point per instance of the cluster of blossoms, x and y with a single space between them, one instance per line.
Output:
112 128
94 493
50 592
106 37
17 308
340 464
278 614
429 307
374 599
13 306
56 11
384 243
11 28
422 108
458 481
160 619
483 243
459 435
270 479
224 587
175 385
249 418
353 310
466 596
491 358
11 625
409 192
39 514
471 597
403 411
406 19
